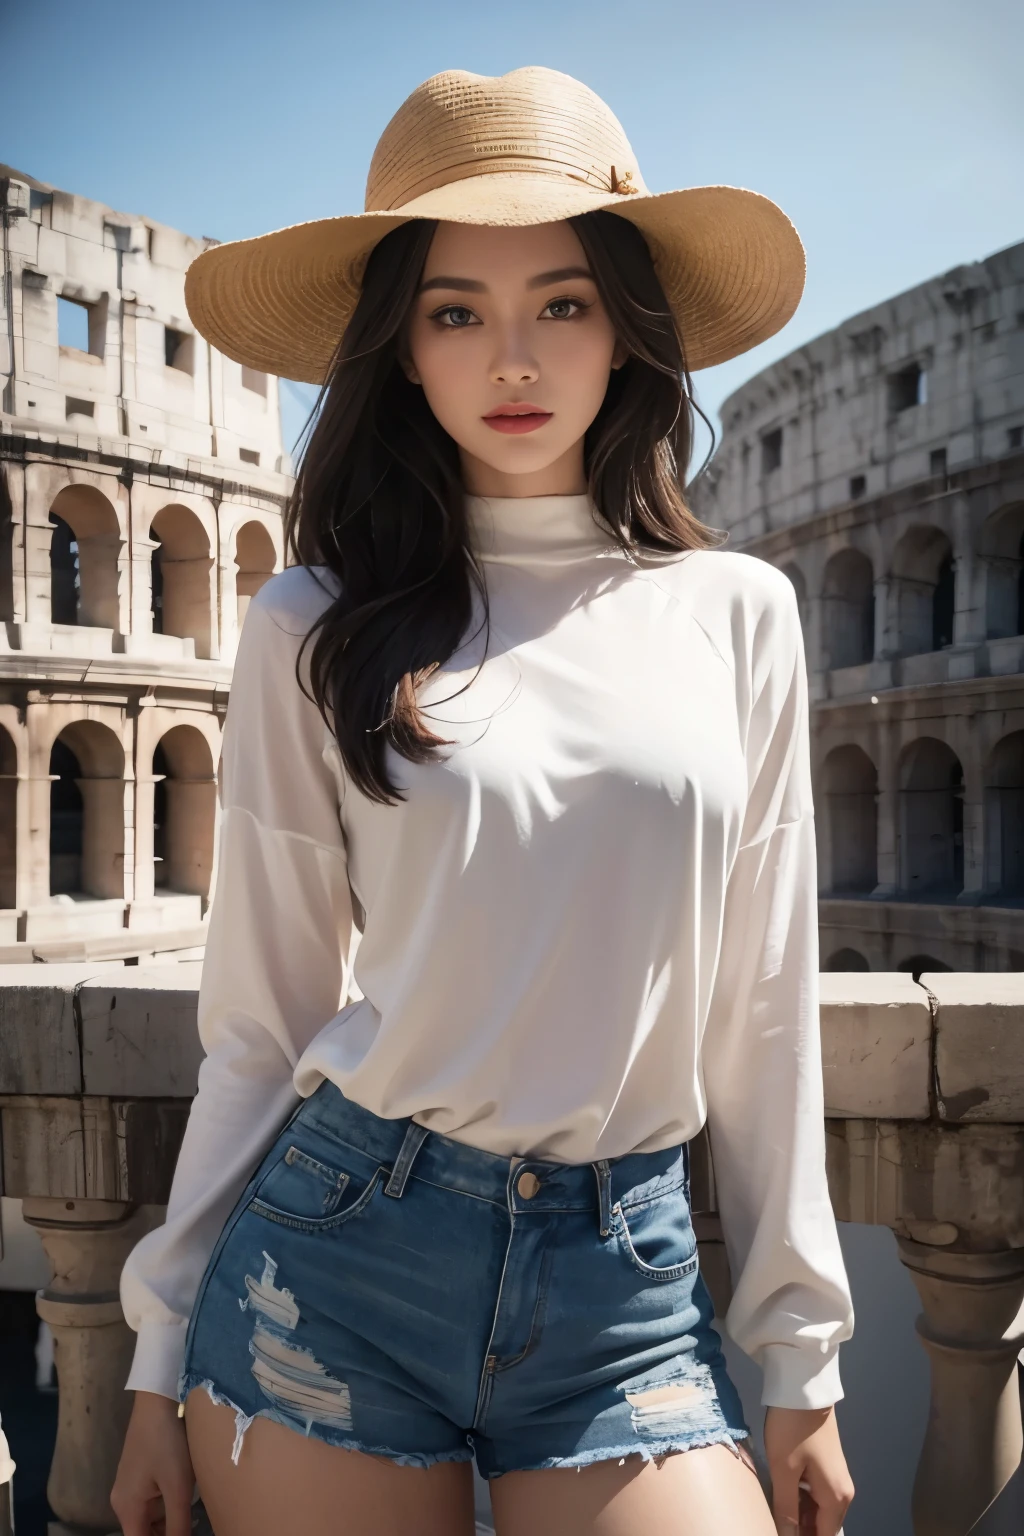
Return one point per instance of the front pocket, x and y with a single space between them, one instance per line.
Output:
302 1192
658 1237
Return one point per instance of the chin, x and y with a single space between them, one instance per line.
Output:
517 457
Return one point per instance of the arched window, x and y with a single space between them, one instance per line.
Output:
848 609
943 605
255 560
846 960
84 551
65 579
918 965
850 791
181 578
67 818
923 590
1004 818
87 821
931 820
184 812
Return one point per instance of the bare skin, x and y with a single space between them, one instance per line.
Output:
505 317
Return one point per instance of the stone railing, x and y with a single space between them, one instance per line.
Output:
925 1093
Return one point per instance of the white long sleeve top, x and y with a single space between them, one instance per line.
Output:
590 927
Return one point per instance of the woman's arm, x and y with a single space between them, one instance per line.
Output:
761 1057
275 969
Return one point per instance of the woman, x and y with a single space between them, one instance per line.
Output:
514 724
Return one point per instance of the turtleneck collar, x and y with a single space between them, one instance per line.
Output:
537 530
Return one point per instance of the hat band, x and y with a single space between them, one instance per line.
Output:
615 181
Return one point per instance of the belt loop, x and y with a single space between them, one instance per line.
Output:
415 1136
604 1194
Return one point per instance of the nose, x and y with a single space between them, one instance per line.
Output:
513 363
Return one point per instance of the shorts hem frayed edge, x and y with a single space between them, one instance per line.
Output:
340 1442
649 1450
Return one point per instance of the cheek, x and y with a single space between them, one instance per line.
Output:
582 361
449 375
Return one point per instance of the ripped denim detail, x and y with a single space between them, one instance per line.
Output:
288 1375
299 1388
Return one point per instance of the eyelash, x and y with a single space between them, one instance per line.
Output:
439 314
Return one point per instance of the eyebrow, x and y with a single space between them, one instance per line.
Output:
471 285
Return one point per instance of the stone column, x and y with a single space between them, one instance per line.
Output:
87 1242
886 618
972 1328
887 811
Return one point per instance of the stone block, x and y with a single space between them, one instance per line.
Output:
139 1034
876 1043
979 1060
38 1039
935 1184
90 1148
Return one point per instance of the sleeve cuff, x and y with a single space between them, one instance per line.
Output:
159 1356
796 1377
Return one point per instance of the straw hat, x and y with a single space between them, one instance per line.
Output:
529 147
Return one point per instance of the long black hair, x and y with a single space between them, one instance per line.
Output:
379 497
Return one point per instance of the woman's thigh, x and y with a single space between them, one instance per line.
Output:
286 1482
694 1493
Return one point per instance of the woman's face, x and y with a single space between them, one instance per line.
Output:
513 348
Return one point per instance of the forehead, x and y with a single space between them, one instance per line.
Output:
491 254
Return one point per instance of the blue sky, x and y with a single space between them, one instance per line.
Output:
891 131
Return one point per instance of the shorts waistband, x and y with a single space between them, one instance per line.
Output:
405 1147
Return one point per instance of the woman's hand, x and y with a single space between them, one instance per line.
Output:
811 1486
152 1493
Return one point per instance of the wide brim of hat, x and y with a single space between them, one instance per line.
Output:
730 262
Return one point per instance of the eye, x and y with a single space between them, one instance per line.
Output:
565 308
454 317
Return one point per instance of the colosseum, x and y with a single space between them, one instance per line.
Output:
882 468
142 486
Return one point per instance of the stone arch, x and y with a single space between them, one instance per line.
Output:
87 827
931 836
846 960
85 549
255 559
182 561
8 819
1002 549
850 785
848 609
917 965
796 576
1004 817
924 590
184 812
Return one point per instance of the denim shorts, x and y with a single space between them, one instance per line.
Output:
383 1288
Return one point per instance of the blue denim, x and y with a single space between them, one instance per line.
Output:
386 1289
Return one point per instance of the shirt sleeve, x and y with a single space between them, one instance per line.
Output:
791 1305
276 969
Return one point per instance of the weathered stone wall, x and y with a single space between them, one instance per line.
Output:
882 468
142 485
937 370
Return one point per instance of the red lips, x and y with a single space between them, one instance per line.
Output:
516 417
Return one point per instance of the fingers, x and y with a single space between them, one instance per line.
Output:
169 1515
830 1499
135 1514
809 1503
178 1512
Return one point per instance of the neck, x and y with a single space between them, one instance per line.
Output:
565 477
